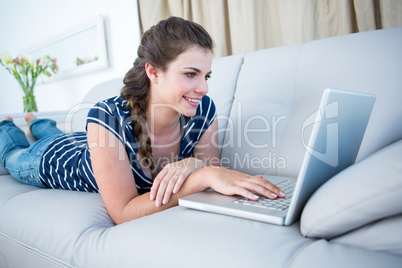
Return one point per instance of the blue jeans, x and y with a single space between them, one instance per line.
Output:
20 158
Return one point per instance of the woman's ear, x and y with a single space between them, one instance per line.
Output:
152 73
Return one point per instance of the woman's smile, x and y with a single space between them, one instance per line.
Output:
192 101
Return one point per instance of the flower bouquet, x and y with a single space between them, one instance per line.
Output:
26 72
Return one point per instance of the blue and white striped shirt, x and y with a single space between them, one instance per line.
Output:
66 163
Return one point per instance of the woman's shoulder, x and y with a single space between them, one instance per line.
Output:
111 111
114 105
116 102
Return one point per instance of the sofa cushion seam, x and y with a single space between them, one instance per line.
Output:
237 80
34 251
298 252
80 238
17 194
235 89
293 99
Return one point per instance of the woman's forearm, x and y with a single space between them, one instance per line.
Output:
222 180
142 205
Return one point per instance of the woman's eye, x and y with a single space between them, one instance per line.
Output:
207 76
191 75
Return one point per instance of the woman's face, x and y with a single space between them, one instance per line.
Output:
184 83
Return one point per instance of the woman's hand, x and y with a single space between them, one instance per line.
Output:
231 182
171 178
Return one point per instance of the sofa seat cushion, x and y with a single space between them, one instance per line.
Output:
324 253
182 237
45 223
365 192
58 228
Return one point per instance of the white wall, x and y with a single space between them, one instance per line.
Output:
26 22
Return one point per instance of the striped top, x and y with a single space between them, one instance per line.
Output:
66 163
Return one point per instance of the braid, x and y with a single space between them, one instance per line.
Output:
160 45
140 133
136 92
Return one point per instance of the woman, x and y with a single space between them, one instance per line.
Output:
148 147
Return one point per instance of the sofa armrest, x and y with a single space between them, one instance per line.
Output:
382 236
367 191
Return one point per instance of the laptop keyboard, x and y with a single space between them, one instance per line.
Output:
279 204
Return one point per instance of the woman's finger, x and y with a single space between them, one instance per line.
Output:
245 193
263 187
169 188
234 182
163 185
156 182
180 180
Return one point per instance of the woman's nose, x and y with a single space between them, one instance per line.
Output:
202 88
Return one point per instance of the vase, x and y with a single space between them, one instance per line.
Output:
29 103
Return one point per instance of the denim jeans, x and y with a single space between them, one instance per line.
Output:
20 158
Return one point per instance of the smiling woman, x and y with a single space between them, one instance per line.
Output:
146 148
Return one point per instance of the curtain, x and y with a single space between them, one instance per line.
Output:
239 26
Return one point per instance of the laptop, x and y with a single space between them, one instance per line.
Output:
337 130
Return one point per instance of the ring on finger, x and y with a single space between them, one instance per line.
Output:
175 176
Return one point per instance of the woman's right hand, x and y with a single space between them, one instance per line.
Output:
232 182
171 178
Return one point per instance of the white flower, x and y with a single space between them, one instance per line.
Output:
6 57
28 59
45 61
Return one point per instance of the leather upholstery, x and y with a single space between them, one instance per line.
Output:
55 228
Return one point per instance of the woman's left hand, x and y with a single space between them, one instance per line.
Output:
171 178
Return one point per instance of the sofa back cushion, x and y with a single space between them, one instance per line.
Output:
364 62
264 97
222 87
262 106
77 115
279 88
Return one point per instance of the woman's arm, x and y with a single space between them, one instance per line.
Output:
116 182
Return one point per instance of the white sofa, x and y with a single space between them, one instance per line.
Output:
354 220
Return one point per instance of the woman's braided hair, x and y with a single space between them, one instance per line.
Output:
160 45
